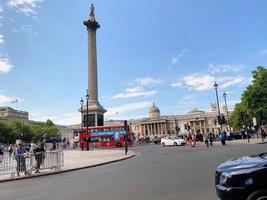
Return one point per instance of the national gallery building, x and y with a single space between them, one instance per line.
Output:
194 121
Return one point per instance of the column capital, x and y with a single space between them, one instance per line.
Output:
91 25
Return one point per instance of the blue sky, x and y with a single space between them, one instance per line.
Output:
167 52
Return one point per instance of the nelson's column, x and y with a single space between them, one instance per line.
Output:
95 110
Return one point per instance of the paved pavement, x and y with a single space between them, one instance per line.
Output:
156 173
75 159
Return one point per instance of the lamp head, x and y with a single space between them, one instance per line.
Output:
215 85
81 101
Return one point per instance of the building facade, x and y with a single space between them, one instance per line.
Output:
9 114
193 122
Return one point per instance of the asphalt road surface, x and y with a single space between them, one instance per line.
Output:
156 173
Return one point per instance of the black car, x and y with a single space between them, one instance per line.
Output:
242 178
156 140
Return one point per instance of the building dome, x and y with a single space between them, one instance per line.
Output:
154 111
196 111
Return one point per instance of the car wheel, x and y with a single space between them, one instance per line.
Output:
258 195
163 144
175 144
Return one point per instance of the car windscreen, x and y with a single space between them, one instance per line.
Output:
177 138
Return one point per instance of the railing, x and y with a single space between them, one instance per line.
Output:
27 163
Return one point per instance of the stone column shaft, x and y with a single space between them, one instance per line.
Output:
92 67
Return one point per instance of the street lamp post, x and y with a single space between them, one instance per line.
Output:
87 99
218 105
226 107
82 122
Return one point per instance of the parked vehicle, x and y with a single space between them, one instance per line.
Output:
172 140
156 140
242 178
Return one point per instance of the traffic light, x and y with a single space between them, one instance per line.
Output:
188 127
223 121
185 126
219 119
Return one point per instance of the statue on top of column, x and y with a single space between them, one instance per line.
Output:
92 10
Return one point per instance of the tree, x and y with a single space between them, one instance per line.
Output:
20 129
10 131
253 100
5 133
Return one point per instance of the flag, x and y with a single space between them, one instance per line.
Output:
14 101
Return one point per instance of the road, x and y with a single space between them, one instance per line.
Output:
168 173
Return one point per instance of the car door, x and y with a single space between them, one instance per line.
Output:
170 141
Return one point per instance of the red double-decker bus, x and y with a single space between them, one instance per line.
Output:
105 136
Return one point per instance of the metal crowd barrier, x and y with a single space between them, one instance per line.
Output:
30 162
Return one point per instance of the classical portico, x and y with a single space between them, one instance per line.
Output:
192 122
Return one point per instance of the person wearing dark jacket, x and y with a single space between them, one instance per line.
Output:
20 156
39 156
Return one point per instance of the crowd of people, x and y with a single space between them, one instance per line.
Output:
20 153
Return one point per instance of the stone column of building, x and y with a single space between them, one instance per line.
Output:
166 131
95 110
158 129
200 125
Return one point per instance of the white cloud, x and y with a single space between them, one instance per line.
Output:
262 52
5 66
148 81
27 7
214 69
229 81
6 99
1 9
177 58
134 89
176 84
127 108
199 82
69 119
134 92
1 39
231 104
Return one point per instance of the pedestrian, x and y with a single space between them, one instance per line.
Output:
39 156
223 137
263 134
10 149
68 143
126 145
193 143
54 146
210 138
1 155
20 156
206 139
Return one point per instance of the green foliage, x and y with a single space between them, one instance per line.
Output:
253 100
10 131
